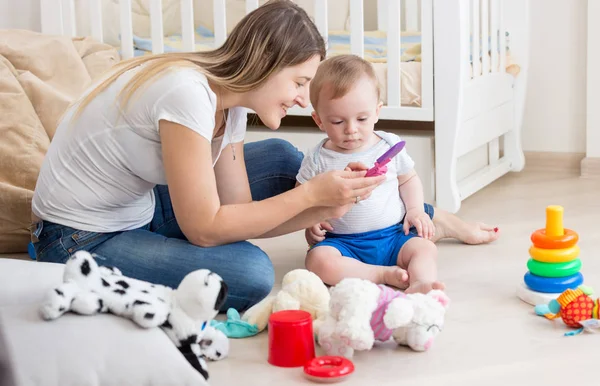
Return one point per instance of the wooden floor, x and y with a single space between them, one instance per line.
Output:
490 337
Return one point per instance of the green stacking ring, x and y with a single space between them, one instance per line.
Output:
554 269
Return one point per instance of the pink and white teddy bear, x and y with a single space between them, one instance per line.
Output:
361 312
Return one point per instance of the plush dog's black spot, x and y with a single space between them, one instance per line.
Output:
139 303
61 309
152 285
218 354
149 315
59 292
105 283
85 268
167 324
123 284
161 299
146 292
192 339
100 305
193 360
221 297
120 291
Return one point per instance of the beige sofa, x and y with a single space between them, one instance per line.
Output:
39 76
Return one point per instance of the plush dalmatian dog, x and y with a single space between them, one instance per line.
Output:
183 314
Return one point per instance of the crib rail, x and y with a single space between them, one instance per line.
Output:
393 17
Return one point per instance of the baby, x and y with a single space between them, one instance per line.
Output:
385 238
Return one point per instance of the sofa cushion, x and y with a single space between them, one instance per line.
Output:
79 350
27 281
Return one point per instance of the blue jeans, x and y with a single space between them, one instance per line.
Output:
159 252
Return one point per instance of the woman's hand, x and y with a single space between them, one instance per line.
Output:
341 187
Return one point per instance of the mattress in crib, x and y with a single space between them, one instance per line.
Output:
375 51
375 43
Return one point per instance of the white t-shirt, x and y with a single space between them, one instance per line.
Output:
98 173
384 207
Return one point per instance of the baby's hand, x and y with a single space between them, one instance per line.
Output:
316 233
420 220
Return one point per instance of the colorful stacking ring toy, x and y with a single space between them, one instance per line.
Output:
569 268
554 255
328 369
553 284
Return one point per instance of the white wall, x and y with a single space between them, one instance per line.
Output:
555 112
21 14
593 82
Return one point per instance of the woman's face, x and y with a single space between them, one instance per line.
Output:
282 91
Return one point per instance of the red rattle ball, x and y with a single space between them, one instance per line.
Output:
328 369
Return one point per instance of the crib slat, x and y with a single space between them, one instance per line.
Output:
411 15
394 41
475 36
95 9
427 53
502 38
220 24
126 29
187 25
382 16
485 32
493 151
357 34
70 29
321 17
494 34
156 21
251 5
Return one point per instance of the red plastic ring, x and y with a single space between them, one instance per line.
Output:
543 241
328 368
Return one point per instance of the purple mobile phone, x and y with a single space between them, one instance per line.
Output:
380 167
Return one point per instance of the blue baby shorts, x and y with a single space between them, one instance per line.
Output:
378 247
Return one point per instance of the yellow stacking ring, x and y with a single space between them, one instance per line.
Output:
554 255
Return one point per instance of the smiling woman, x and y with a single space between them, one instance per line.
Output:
149 171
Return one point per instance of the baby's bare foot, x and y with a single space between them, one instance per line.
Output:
395 277
424 286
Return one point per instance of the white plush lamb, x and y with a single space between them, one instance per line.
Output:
362 312
183 314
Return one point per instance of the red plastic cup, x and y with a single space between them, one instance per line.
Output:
291 340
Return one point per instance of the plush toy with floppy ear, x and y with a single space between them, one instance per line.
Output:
362 312
301 290
183 314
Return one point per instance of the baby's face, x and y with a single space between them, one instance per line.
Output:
349 121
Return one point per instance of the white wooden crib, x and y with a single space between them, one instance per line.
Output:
476 105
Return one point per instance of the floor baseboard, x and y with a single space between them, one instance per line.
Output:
554 161
590 167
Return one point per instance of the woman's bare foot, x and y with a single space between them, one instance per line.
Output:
448 225
395 277
424 287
